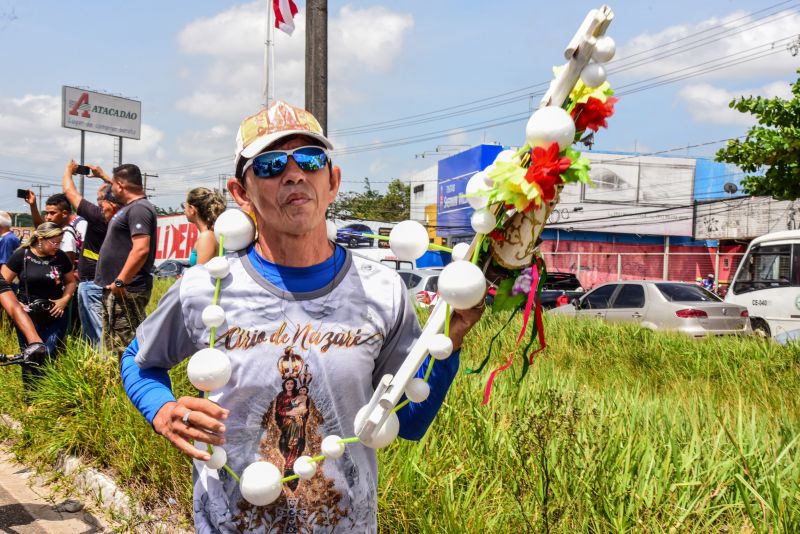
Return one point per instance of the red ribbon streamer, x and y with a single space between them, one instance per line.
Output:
532 298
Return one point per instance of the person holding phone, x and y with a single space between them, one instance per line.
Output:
46 285
90 295
58 210
9 242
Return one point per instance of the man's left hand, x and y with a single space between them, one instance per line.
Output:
462 321
117 291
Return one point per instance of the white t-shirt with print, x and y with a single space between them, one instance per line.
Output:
69 243
302 364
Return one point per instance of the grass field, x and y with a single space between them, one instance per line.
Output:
615 429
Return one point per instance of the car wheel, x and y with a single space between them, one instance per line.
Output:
760 328
353 243
371 242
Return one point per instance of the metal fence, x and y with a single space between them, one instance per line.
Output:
594 268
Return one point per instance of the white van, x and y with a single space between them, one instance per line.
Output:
768 283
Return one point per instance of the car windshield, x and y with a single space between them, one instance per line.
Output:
686 293
768 266
410 279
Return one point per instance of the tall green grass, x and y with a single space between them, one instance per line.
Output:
615 429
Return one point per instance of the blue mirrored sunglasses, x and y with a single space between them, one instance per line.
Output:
273 163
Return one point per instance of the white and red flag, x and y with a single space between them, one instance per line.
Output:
285 10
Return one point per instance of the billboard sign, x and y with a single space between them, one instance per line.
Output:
175 238
453 210
745 218
630 194
100 113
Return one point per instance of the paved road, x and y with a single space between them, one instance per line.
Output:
24 511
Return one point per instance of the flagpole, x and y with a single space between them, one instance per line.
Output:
273 79
268 55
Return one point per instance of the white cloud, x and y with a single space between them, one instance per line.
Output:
746 36
709 104
361 41
31 136
199 144
372 36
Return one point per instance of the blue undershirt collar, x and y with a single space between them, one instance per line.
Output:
298 279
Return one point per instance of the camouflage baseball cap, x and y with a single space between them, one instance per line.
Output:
280 120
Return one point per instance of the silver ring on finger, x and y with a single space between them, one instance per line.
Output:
185 418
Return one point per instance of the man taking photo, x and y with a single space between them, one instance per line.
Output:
126 259
90 295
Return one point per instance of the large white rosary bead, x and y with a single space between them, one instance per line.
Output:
418 390
408 240
237 227
218 267
331 447
330 229
593 75
462 285
506 156
384 435
550 125
440 347
304 467
476 191
604 49
483 221
209 369
260 483
218 458
460 251
213 316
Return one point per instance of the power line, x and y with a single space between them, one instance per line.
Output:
393 123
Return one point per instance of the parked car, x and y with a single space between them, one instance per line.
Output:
422 284
170 269
560 289
660 305
352 235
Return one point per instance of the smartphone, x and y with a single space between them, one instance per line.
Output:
82 169
22 193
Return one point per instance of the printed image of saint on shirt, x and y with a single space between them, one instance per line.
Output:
291 428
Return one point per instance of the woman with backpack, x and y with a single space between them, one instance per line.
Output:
46 285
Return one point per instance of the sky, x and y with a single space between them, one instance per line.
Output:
409 82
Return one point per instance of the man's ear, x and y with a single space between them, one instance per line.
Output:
239 194
336 181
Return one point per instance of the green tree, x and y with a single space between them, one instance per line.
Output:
394 205
168 211
771 147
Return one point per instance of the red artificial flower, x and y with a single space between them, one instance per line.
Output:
545 170
497 235
593 114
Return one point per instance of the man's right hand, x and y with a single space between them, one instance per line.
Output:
30 199
71 165
204 424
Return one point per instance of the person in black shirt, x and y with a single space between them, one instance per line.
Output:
46 284
124 269
90 295
17 313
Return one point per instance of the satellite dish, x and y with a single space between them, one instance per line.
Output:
730 188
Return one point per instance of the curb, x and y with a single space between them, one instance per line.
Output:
102 488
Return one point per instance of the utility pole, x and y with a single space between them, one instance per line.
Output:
317 60
145 176
39 196
222 184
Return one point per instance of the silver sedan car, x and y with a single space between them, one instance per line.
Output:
660 305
